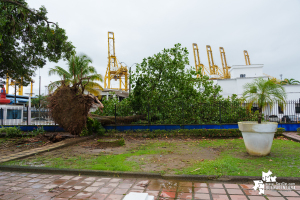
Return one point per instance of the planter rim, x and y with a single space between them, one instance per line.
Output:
256 122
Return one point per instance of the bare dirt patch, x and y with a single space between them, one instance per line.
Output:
14 145
176 154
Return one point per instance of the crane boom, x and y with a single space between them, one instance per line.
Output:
247 59
213 69
113 70
198 64
226 73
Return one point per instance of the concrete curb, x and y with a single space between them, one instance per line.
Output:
206 178
41 150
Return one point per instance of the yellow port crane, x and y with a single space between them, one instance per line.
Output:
247 59
20 87
226 73
198 64
213 69
113 70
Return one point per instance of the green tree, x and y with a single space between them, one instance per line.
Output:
164 84
27 39
79 72
40 101
263 92
289 82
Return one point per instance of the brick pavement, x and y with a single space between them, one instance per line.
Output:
27 186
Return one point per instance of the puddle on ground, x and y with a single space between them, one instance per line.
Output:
170 187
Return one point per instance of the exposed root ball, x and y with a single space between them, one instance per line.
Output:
69 108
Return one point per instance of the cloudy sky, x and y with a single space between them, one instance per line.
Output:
268 29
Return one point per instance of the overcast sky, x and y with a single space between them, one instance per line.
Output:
268 29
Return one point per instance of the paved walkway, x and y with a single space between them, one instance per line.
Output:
293 135
26 186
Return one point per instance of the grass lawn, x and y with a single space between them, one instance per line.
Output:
174 156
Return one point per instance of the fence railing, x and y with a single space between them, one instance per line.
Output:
18 115
203 113
222 112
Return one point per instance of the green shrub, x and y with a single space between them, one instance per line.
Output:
298 130
38 131
279 132
121 142
2 130
12 132
208 133
93 126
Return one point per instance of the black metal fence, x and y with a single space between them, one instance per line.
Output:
204 113
18 115
222 112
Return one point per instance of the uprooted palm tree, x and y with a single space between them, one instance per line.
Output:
264 92
78 69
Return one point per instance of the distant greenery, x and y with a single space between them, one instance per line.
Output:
40 101
290 82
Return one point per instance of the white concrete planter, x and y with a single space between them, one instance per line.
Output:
258 138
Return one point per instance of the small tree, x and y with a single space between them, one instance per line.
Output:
167 88
69 106
263 92
78 68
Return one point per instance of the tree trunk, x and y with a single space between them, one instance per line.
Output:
259 115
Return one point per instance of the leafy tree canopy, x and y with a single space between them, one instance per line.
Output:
40 101
165 83
79 72
164 77
27 39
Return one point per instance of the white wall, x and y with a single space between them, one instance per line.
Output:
234 86
293 91
248 70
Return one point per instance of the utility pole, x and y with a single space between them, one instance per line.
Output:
15 93
39 97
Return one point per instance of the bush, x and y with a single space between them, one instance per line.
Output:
279 132
298 130
93 126
208 133
38 131
12 132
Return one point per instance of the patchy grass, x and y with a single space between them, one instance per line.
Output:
2 140
233 160
198 157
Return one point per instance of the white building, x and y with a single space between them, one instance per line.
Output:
242 74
